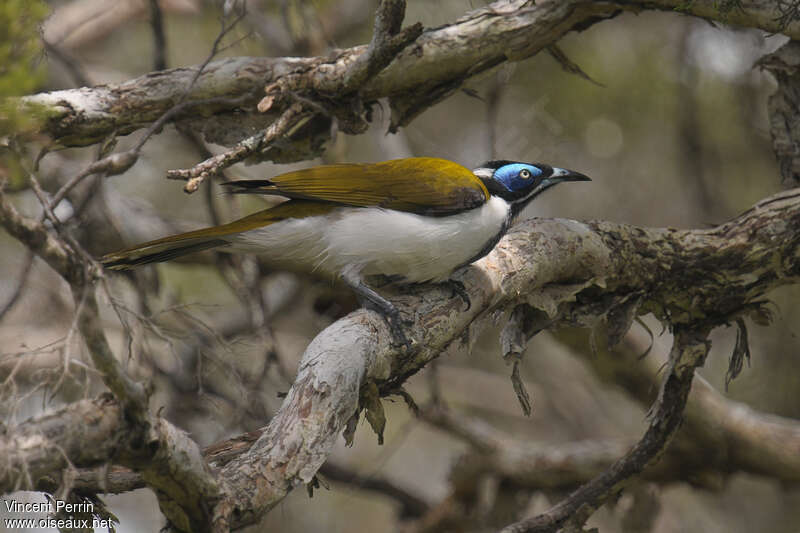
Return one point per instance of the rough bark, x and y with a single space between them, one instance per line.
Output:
570 272
85 434
166 457
784 113
549 272
221 102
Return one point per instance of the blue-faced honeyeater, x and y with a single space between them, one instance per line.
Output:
413 220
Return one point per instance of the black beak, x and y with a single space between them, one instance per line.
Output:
562 174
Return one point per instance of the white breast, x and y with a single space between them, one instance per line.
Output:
380 241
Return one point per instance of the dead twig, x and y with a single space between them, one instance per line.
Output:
289 121
689 351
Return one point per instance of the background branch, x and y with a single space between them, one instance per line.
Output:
545 274
438 63
689 352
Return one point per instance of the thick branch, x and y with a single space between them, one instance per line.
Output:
84 434
92 433
567 271
784 113
768 15
67 429
437 63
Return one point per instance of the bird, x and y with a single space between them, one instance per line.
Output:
411 220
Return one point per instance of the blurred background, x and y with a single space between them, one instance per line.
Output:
673 131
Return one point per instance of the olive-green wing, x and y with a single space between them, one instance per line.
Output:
174 246
423 185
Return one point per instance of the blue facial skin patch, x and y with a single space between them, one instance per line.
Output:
508 175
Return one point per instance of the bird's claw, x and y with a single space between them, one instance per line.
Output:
396 323
459 290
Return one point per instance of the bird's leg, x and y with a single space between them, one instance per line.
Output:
372 300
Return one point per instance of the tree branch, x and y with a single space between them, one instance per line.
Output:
387 42
70 430
279 129
440 60
85 434
719 436
557 272
688 353
34 235
571 272
169 460
784 113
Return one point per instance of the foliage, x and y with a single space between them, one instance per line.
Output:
20 48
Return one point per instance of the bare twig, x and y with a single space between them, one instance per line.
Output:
289 121
131 393
412 505
19 286
387 41
159 36
47 211
688 353
79 76
644 261
118 163
569 65
34 235
169 460
719 437
108 166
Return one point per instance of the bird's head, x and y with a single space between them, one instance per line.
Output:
519 183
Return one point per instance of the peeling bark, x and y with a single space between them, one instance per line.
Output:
430 69
560 272
574 272
48 444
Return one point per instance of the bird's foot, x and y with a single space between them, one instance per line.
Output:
399 338
395 322
459 290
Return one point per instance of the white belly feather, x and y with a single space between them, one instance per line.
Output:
379 241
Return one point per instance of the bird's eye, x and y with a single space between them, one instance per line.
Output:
525 174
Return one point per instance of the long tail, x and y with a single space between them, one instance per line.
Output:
164 249
174 246
204 239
